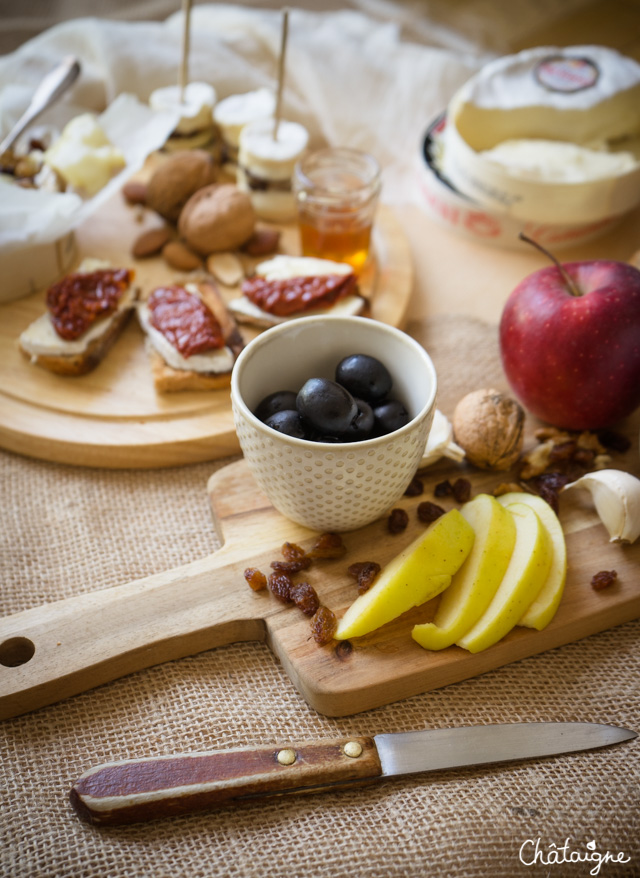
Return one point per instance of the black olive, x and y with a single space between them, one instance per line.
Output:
288 422
362 426
326 406
364 377
279 401
389 416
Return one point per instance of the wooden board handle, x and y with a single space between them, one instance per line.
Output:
148 789
51 652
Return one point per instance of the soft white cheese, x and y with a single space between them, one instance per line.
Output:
195 108
236 111
556 161
83 155
218 361
284 267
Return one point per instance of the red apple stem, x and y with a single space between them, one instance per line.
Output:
571 284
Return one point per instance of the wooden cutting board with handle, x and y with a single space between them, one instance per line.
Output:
52 652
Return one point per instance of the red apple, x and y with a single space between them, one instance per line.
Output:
570 343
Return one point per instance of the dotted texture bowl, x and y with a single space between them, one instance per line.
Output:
324 486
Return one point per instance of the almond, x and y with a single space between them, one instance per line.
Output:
262 242
135 192
179 256
225 267
151 242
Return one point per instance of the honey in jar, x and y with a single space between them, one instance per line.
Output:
336 195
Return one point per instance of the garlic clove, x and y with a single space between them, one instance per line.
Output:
226 268
440 442
616 497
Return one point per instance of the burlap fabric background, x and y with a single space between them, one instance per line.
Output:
66 531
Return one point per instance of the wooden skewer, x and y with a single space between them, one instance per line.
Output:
184 61
281 66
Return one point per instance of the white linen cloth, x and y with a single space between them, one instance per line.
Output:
350 79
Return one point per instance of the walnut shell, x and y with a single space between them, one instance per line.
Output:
218 217
175 181
490 427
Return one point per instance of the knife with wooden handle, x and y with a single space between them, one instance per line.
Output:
138 790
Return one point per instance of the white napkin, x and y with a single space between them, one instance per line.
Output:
351 80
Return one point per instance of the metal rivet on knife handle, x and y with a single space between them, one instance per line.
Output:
286 757
353 749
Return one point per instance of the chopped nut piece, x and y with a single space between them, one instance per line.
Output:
603 579
428 512
305 598
397 521
280 584
537 460
323 626
614 441
256 579
328 546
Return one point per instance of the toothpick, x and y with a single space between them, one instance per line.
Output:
184 61
281 65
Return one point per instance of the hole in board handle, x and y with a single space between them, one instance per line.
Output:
16 651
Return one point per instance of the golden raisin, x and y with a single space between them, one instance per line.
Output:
323 626
305 598
280 585
256 579
365 572
328 545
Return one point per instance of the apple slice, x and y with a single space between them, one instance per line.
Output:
544 607
417 574
526 574
474 585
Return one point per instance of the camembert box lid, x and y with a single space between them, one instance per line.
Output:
549 134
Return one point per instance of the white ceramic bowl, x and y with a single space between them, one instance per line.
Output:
331 487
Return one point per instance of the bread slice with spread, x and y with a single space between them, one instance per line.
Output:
192 339
286 287
86 312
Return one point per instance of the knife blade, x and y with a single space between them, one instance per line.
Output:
137 790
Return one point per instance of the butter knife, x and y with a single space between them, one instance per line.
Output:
144 789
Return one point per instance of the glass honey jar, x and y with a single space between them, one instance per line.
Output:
337 191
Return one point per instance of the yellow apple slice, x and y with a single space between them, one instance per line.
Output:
475 584
544 607
417 574
526 574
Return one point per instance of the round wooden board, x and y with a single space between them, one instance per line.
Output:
113 416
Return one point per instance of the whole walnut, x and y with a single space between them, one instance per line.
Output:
175 181
218 217
489 426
